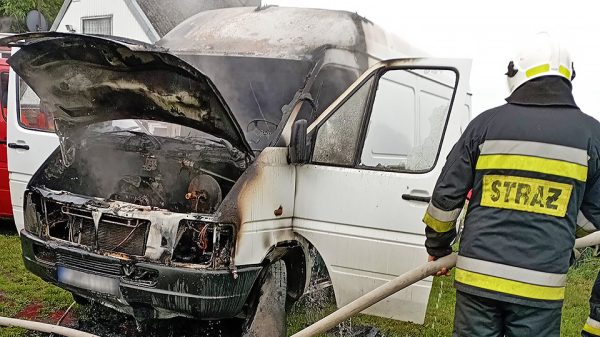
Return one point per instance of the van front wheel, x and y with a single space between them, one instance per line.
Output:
267 318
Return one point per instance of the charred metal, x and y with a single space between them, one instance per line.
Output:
142 289
156 256
128 231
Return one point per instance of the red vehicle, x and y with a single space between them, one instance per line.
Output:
5 205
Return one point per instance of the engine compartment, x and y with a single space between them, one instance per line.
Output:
138 195
179 173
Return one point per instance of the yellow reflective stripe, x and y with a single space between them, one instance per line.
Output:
537 70
437 225
533 164
509 287
564 71
590 329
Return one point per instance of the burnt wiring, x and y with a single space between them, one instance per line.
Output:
203 241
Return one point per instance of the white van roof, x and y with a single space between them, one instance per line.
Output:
282 32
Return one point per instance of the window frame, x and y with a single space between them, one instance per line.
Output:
378 73
4 95
95 17
335 66
313 135
18 108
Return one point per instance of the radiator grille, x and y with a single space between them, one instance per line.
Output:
123 238
114 234
82 262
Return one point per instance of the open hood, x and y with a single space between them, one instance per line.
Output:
84 79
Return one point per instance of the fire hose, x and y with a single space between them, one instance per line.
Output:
397 284
43 327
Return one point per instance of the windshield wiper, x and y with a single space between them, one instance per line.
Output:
157 143
233 151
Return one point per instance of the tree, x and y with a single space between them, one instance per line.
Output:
18 9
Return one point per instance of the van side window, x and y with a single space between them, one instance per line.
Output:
337 138
31 112
408 119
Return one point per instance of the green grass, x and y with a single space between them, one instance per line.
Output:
19 288
440 312
438 321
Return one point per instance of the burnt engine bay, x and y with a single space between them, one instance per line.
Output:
186 176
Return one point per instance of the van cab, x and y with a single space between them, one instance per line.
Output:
204 176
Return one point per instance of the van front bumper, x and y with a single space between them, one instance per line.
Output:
170 292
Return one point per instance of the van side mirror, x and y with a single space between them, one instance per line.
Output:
298 149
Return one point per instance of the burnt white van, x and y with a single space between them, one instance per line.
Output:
203 176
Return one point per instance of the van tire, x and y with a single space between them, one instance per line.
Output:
268 315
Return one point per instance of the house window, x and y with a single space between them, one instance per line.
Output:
97 25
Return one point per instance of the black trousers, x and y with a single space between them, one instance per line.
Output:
591 327
477 316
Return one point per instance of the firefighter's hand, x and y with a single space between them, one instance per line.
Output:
442 272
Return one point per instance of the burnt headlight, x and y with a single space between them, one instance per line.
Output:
44 254
204 243
31 217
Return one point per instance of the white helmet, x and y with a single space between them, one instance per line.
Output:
542 56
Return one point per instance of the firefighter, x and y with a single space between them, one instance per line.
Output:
532 164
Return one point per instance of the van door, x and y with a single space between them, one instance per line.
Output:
5 207
30 137
375 157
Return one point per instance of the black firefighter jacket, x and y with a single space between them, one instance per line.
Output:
534 167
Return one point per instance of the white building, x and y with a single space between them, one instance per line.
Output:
143 20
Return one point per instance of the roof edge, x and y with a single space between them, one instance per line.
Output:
60 15
143 20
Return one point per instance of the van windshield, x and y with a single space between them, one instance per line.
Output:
256 89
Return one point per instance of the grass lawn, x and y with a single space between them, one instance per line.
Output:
24 295
440 312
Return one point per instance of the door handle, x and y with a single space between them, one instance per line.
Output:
413 197
18 146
